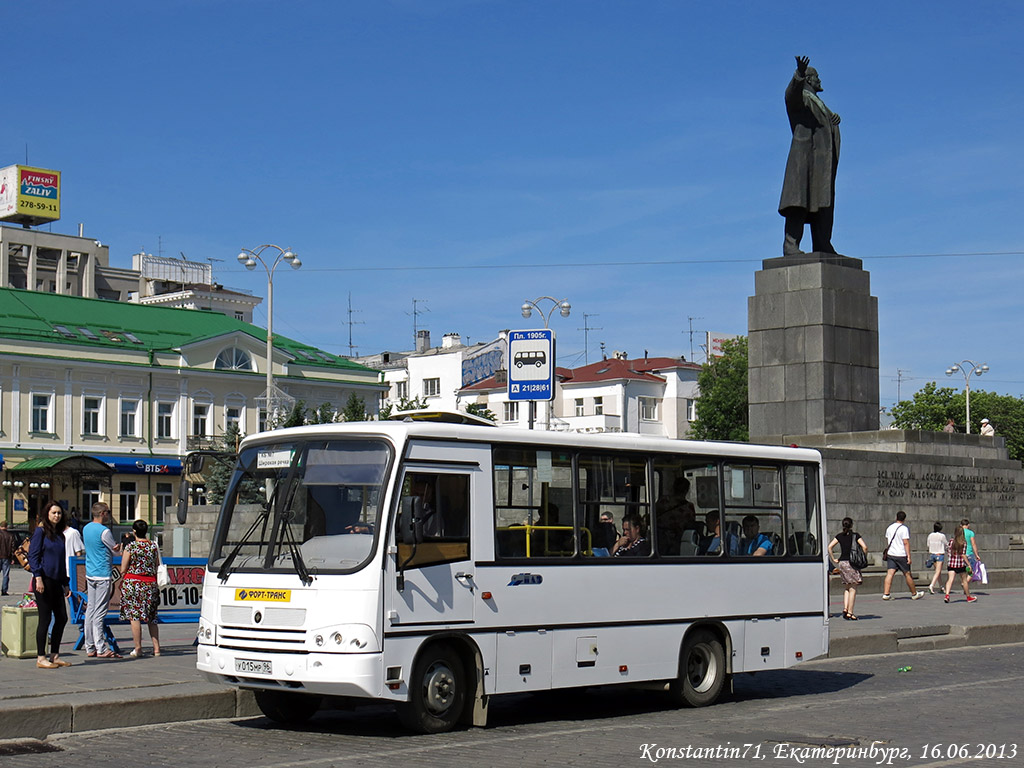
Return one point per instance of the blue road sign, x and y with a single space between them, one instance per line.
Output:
531 365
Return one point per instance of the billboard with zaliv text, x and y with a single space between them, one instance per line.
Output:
29 195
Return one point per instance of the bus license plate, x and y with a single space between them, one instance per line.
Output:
252 666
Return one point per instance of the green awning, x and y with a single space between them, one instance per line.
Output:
66 462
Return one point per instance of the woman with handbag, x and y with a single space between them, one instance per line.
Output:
937 544
140 593
958 564
852 557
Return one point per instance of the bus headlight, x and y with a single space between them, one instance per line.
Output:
346 638
207 632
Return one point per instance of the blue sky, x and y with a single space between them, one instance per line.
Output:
471 154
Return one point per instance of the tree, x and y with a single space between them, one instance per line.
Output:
929 408
481 410
404 404
355 409
218 475
322 414
722 408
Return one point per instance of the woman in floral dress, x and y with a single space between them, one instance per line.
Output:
140 595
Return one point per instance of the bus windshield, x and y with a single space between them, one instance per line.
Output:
299 506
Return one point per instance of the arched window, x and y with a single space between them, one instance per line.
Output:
233 359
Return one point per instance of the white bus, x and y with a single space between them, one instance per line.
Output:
436 565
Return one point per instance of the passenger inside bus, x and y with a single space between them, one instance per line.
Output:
674 515
754 542
632 543
711 544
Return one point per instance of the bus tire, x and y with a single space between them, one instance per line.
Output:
701 670
437 691
287 707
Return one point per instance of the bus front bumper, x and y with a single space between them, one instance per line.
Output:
331 674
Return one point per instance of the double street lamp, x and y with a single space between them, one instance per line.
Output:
967 368
563 306
249 258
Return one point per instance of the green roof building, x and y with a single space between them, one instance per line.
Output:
100 400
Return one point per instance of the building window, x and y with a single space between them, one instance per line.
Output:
691 410
41 412
165 420
598 406
164 501
200 419
90 495
232 417
91 415
431 387
233 359
511 411
649 408
129 498
579 406
263 420
239 316
129 418
401 390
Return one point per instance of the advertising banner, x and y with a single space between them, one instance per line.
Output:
29 195
715 342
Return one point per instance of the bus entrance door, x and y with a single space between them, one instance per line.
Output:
434 576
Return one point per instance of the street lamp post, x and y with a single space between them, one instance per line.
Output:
249 258
563 306
967 368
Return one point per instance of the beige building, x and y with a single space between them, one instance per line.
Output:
102 400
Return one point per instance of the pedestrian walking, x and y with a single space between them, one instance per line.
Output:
846 540
7 546
140 594
99 547
973 553
48 561
937 544
958 565
897 556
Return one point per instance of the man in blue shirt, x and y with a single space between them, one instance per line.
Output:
754 542
99 547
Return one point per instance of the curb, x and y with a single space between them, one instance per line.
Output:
36 717
928 638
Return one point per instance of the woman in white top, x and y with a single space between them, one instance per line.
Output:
936 553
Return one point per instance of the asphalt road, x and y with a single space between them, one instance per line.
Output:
951 707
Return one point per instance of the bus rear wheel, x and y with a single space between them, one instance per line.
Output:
437 691
287 707
701 670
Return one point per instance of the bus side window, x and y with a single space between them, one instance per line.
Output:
444 512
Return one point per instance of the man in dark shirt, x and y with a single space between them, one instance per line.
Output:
7 546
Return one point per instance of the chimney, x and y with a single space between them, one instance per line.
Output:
450 341
422 341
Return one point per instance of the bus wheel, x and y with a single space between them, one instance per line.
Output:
701 670
287 707
437 692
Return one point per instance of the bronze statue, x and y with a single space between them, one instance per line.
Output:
809 189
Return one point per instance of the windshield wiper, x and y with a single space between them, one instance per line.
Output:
293 549
225 568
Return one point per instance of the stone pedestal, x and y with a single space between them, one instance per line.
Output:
813 348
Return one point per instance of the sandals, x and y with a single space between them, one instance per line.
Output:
62 663
135 654
46 664
851 617
110 653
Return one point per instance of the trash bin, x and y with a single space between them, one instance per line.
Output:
18 631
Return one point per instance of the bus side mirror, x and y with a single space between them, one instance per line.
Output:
410 526
183 490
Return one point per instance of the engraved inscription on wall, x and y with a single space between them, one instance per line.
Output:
959 485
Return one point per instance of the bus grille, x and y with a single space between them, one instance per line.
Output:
242 615
260 639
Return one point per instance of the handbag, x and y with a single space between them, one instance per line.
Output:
162 577
858 557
